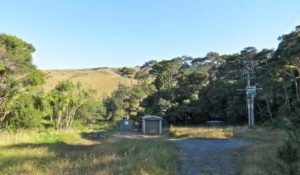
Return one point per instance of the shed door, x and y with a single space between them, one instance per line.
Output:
152 126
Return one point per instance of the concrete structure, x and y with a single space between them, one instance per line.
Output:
126 125
152 124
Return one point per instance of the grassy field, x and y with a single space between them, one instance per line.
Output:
48 152
100 81
68 153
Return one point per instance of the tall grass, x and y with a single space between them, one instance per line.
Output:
68 153
260 158
36 136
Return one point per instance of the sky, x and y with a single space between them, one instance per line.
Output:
72 34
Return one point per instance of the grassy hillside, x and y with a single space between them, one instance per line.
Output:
101 81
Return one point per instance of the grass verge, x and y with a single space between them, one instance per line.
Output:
260 157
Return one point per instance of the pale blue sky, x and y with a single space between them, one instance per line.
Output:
117 33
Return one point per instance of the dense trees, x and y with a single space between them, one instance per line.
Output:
182 90
193 90
23 103
15 62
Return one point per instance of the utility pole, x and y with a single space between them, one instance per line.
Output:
250 93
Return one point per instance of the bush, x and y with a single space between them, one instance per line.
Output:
25 115
289 152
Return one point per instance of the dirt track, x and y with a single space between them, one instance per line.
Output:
213 157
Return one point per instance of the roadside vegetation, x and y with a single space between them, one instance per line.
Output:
261 156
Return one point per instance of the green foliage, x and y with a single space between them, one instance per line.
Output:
2 66
91 111
25 115
64 102
127 101
289 152
8 94
198 89
64 86
127 72
17 53
15 62
35 78
165 72
182 90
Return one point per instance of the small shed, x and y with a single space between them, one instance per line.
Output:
126 125
152 124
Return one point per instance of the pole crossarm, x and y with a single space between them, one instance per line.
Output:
250 93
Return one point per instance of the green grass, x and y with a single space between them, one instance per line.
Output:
260 157
67 153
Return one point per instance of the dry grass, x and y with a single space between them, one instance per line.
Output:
201 132
100 81
34 155
67 153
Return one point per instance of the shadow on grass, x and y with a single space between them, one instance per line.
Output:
56 147
102 156
98 134
34 158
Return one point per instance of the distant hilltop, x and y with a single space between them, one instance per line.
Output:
101 80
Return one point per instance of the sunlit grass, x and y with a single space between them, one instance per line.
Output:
201 132
101 81
68 153
35 136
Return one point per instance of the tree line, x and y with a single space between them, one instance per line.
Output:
183 90
194 90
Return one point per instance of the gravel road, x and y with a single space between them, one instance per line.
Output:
213 157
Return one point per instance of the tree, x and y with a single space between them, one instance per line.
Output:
91 111
25 114
15 53
15 61
65 101
165 73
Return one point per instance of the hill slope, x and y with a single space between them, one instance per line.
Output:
100 81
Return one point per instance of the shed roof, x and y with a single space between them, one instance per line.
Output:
151 117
